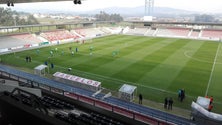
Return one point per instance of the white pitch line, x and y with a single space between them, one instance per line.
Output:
212 70
196 59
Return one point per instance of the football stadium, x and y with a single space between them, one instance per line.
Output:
93 73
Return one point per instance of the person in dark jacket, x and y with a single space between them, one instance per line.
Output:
165 102
140 98
170 103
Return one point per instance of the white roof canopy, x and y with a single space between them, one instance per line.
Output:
40 70
41 67
127 89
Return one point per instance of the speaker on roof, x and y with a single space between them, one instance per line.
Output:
10 3
77 1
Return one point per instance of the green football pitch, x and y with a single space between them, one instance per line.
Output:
159 67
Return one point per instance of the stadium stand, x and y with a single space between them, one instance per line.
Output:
78 32
150 32
115 30
137 31
194 33
18 41
164 32
180 31
11 42
31 38
211 34
106 30
129 110
51 105
173 32
89 32
58 35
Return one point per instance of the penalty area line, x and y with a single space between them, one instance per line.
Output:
212 70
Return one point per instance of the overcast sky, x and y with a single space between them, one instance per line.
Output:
205 6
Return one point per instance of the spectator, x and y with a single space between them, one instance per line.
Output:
27 58
210 107
37 51
140 98
170 103
46 63
165 102
52 65
51 53
211 99
30 59
182 96
179 94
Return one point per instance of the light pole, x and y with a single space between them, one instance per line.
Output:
149 4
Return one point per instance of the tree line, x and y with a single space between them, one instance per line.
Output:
103 16
204 18
12 18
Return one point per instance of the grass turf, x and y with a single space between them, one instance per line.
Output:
157 66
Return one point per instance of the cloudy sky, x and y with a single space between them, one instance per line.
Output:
205 6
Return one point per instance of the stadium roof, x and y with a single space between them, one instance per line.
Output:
30 1
184 23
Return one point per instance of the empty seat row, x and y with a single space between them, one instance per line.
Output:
50 102
94 119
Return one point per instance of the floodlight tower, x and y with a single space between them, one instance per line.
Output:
149 5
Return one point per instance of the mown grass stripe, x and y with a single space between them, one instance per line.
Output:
163 74
103 57
195 74
148 62
155 57
124 59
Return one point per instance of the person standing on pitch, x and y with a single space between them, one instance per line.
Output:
30 59
165 102
27 59
170 103
179 94
140 98
182 95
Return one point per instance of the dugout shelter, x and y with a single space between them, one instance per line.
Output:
41 70
127 92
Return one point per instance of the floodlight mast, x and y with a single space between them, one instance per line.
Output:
149 5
